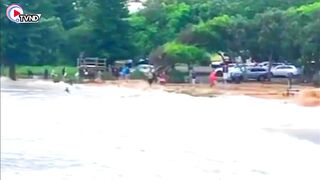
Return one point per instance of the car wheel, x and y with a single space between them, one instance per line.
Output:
290 75
241 78
219 73
271 74
261 78
237 79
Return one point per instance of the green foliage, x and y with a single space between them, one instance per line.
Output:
22 71
176 76
66 28
173 30
210 34
187 54
305 9
137 75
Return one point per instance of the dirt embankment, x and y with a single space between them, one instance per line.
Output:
309 97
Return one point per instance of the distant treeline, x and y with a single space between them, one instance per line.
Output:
186 31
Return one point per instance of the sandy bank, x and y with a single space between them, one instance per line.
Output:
305 95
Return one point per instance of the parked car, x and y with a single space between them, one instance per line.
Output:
144 68
266 64
286 71
231 67
215 65
142 61
257 73
234 73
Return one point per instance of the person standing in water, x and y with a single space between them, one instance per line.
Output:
46 74
150 77
162 78
99 76
126 72
63 71
225 70
193 77
212 78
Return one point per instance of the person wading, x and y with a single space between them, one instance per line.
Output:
150 77
225 70
212 78
193 77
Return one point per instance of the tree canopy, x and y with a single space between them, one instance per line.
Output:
184 30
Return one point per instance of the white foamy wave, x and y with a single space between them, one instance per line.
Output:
121 133
4 79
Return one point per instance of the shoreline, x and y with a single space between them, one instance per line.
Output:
305 95
302 95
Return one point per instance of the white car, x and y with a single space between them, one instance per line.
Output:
266 63
233 73
285 70
145 68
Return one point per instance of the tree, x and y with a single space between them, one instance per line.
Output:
110 28
24 43
270 34
209 35
67 11
186 54
173 52
158 24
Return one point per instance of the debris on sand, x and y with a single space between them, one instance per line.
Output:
309 97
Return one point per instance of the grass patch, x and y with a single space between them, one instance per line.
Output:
22 71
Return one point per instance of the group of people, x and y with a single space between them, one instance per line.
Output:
153 78
121 72
54 74
46 73
212 78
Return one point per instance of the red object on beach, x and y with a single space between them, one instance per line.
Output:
213 78
162 79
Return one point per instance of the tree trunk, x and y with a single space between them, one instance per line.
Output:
1 68
189 67
12 71
173 66
269 67
222 57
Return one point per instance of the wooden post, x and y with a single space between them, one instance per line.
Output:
12 71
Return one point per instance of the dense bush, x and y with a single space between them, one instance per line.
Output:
176 76
56 79
137 75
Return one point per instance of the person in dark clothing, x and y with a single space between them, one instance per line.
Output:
120 72
30 74
150 77
63 71
154 75
67 90
115 72
225 70
193 77
290 76
46 74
